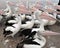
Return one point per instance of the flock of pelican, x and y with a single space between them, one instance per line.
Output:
30 23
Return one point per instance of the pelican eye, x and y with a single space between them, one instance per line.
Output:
21 13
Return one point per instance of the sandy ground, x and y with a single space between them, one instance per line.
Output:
51 40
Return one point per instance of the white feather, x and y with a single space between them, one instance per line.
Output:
13 21
23 17
29 24
31 46
17 27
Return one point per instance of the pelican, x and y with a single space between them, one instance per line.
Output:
7 11
22 13
45 17
28 24
32 40
15 27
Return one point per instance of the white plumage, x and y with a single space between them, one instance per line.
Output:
29 24
15 27
36 38
44 20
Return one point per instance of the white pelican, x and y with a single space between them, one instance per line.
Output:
14 28
7 11
32 40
